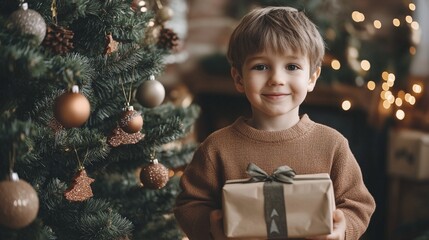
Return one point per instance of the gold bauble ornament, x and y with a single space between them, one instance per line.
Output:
154 175
150 93
131 120
164 14
19 203
72 109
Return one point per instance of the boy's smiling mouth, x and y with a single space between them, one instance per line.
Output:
275 95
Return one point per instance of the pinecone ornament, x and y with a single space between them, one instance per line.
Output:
58 39
168 39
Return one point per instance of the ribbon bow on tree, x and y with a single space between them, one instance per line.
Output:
283 174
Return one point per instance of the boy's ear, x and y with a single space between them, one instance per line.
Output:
238 81
313 79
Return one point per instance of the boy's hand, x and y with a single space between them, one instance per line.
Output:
339 232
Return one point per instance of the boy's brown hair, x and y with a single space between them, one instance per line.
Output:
276 29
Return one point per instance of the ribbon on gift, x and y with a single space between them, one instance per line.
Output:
283 174
274 202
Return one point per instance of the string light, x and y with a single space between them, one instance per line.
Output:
407 97
365 65
415 25
412 6
358 16
383 95
409 19
412 100
391 77
151 23
385 86
398 102
384 75
391 99
370 85
377 24
396 22
346 105
417 88
335 64
388 96
386 104
400 114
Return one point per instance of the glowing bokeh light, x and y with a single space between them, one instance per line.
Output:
417 88
371 85
377 24
335 64
400 114
365 65
398 102
346 105
396 22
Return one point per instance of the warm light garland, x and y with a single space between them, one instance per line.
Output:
388 77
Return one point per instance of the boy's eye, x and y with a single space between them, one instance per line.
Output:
260 67
292 67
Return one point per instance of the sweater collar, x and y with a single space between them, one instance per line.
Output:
304 125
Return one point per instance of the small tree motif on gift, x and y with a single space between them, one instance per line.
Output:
274 228
80 190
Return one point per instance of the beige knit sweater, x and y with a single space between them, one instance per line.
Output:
307 147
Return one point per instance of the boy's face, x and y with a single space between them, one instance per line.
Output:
275 84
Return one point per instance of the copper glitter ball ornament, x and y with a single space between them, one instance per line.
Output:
28 21
131 120
150 93
154 175
72 109
19 203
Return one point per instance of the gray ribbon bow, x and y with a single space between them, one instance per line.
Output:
283 174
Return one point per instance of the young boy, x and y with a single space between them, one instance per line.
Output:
275 55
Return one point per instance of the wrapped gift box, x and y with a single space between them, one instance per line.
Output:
409 154
308 204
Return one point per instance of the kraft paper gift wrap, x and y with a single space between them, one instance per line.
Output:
281 205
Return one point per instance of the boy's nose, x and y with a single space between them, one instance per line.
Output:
276 78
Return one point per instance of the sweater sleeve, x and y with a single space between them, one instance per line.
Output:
199 196
351 194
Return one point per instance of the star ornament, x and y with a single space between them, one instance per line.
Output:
111 44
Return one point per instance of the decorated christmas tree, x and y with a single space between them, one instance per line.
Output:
90 146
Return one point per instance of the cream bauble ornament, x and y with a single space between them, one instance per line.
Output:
19 203
150 93
72 109
28 21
